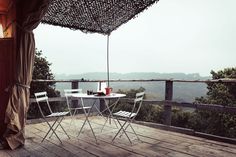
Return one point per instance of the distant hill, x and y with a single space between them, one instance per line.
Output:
134 75
154 90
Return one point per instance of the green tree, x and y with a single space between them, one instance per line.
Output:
222 124
42 71
132 92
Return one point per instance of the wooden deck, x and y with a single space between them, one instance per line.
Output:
154 142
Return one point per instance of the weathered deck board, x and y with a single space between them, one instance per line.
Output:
22 152
86 142
40 131
124 145
154 142
195 145
184 144
4 154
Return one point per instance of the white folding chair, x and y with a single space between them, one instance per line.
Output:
42 99
79 105
73 105
128 117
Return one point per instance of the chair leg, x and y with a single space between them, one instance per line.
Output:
99 112
81 128
72 117
51 129
55 127
104 124
92 130
134 131
118 131
63 128
87 120
122 128
110 116
129 124
59 124
114 121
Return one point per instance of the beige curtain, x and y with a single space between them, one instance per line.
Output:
28 16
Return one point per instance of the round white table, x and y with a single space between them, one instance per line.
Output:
83 96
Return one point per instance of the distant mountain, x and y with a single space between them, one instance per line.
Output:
185 92
134 75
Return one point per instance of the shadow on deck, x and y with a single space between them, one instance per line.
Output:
154 142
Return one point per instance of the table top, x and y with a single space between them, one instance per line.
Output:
110 96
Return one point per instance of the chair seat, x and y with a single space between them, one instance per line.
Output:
57 114
124 114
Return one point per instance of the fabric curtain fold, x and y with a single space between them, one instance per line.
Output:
28 17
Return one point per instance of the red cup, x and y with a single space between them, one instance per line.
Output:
108 90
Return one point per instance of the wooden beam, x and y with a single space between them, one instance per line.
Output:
147 80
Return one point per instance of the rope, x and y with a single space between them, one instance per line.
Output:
22 85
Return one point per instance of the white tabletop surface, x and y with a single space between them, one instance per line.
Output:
110 96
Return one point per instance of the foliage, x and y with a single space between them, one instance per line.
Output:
180 118
218 93
132 92
211 122
42 71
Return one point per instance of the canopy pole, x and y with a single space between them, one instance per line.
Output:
108 79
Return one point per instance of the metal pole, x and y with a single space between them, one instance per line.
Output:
108 82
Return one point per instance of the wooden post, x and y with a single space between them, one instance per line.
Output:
102 104
167 107
74 85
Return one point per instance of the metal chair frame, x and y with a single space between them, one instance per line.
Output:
128 117
68 95
42 97
110 109
79 106
86 118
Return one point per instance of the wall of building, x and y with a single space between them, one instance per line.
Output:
7 58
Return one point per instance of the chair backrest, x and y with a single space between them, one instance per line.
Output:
41 97
69 92
101 87
68 95
138 102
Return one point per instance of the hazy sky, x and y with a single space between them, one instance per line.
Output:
190 36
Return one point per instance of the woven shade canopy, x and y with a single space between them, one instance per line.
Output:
95 16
